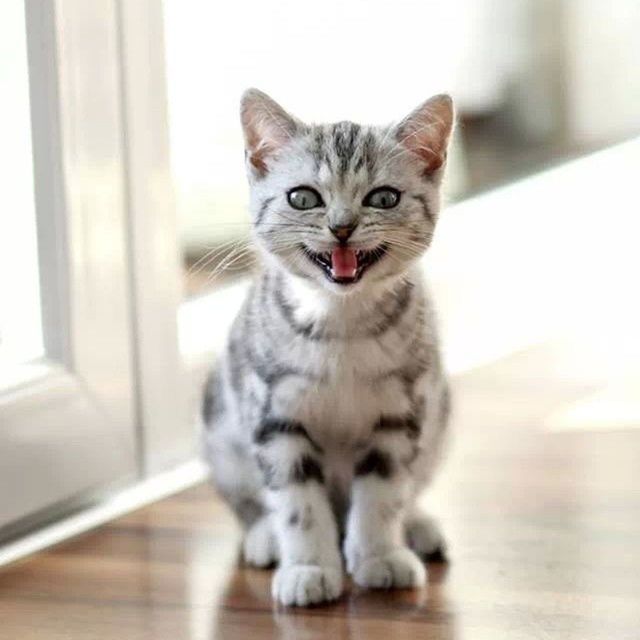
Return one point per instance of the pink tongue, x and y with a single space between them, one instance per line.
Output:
344 263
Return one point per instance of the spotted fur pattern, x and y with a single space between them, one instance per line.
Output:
326 415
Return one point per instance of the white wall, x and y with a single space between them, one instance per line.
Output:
603 69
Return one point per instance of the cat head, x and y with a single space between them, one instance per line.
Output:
344 206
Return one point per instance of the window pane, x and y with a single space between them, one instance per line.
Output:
20 321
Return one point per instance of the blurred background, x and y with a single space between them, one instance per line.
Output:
536 82
125 218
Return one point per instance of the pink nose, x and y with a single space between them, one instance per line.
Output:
343 233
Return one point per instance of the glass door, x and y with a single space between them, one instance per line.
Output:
67 387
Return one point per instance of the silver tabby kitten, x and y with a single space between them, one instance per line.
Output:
325 417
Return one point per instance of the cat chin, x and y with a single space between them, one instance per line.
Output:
344 290
318 284
369 284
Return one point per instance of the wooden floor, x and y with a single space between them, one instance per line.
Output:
543 525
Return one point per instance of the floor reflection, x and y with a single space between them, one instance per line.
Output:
246 607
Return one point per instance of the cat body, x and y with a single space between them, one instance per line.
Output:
325 416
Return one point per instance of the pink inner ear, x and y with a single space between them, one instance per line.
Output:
427 130
261 141
258 154
265 140
266 126
428 141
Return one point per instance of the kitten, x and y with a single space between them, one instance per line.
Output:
325 417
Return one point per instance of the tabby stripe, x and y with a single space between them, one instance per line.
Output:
318 153
244 353
418 406
402 298
407 424
376 462
273 427
235 365
213 400
264 205
305 469
305 330
268 470
267 368
445 407
428 214
301 518
345 135
367 154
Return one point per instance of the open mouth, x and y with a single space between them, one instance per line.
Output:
344 264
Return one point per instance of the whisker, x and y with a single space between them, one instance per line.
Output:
210 256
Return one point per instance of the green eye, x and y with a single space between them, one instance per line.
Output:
303 198
382 198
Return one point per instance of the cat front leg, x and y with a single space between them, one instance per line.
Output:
382 493
310 569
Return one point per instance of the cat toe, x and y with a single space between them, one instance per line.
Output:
304 585
397 569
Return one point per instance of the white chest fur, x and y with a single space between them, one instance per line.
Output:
346 391
341 403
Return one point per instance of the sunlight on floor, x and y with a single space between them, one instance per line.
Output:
616 407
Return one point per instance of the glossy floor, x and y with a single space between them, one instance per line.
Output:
543 523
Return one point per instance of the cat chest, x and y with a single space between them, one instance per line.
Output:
346 396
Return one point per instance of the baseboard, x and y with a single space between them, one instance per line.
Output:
127 500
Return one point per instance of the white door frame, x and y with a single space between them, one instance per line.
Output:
167 435
69 429
104 408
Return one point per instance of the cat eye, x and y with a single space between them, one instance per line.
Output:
382 198
303 198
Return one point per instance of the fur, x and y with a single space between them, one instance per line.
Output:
326 415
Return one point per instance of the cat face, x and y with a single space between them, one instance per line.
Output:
344 206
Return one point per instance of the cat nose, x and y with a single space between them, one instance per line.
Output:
343 232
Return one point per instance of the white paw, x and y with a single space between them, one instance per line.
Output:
424 536
305 584
399 569
259 548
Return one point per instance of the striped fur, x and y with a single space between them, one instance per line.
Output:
325 417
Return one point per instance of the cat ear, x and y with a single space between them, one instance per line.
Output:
267 127
426 131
